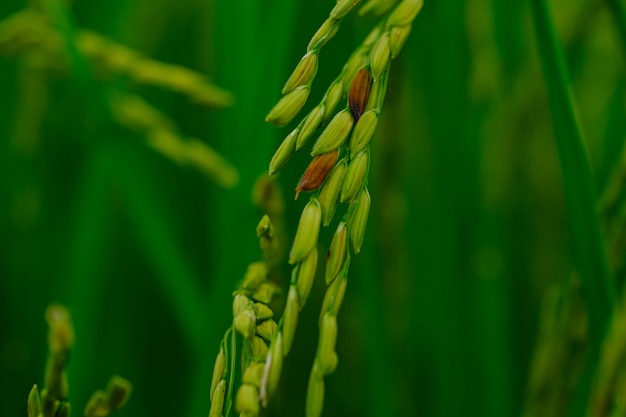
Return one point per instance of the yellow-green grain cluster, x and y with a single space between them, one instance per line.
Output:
30 35
555 366
52 401
30 30
162 135
345 141
253 321
607 394
563 345
53 398
102 403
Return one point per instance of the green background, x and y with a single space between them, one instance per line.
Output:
469 224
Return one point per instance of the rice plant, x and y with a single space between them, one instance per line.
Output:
378 207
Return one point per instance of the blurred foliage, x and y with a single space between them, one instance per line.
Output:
469 226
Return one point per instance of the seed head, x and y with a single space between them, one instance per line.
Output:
317 171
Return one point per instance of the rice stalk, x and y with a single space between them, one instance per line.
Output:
31 35
103 403
563 342
32 103
161 134
253 320
52 400
588 242
29 30
588 245
337 174
560 353
609 379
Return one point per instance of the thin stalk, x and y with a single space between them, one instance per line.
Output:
172 271
245 64
231 376
588 252
85 285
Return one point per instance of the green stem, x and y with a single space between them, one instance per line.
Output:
231 376
588 251
580 193
86 283
246 62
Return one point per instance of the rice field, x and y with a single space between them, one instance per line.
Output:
134 159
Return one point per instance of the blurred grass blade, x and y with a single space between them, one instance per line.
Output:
169 264
377 350
618 10
580 193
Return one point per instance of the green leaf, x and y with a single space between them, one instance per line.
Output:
588 251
